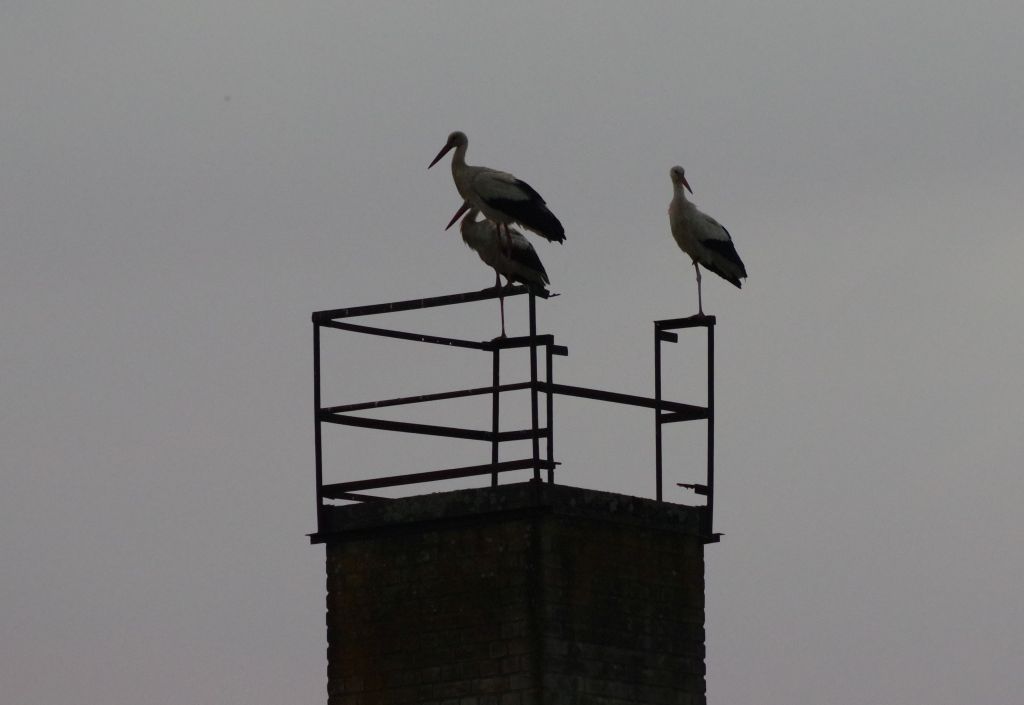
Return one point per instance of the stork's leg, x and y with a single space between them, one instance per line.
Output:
700 305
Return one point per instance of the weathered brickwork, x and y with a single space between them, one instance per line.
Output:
434 615
516 595
623 615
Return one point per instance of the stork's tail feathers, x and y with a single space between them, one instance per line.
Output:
549 227
724 261
731 277
531 212
540 220
537 289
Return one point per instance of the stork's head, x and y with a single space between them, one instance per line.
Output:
678 175
455 139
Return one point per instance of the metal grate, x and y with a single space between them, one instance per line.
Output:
344 414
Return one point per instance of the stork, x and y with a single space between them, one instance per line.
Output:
702 237
515 257
501 197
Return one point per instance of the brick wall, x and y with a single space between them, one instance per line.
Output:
516 595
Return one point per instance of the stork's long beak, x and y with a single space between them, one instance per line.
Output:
458 214
684 184
444 151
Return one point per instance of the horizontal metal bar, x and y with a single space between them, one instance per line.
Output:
668 336
697 321
524 435
358 497
698 412
402 335
693 414
524 341
429 429
424 398
448 300
490 345
334 491
405 427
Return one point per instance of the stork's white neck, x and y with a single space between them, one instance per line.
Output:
462 173
459 157
679 191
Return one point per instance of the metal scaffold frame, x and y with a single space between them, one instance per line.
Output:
666 411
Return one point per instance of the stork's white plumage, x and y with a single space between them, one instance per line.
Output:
512 256
702 237
515 259
500 196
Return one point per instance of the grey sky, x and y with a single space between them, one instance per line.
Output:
183 183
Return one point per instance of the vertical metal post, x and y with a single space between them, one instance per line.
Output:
533 387
316 425
711 427
657 411
495 397
550 416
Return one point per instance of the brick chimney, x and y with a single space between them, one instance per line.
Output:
519 594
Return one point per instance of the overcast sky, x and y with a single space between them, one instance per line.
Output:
182 183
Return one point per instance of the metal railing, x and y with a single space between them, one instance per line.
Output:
665 411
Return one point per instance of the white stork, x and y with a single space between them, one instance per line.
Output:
515 258
702 237
501 197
